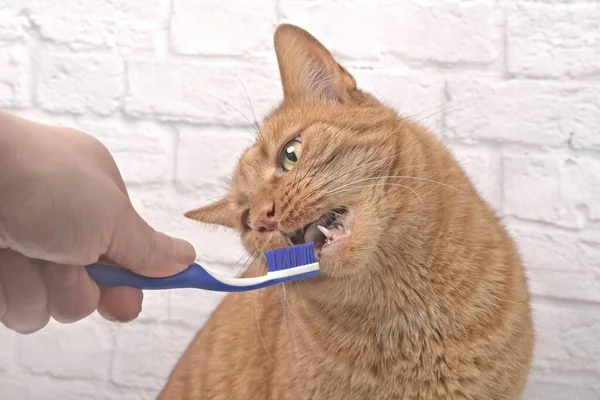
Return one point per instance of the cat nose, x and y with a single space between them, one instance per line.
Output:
264 219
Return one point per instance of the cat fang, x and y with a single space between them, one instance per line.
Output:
329 229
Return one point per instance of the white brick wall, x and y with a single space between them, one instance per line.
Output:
512 86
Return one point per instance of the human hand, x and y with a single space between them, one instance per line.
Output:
63 205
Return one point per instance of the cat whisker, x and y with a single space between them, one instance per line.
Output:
377 184
301 297
288 314
457 125
314 190
256 124
342 174
395 177
450 106
234 109
250 259
311 167
346 172
410 118
256 300
291 313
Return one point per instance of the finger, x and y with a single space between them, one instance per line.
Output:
25 292
138 247
121 303
72 295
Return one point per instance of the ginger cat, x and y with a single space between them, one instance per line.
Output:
421 293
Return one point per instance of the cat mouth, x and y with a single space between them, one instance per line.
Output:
329 228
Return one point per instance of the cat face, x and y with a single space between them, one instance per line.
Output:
313 172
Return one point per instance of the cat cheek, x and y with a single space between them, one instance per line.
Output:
248 241
348 256
273 241
256 241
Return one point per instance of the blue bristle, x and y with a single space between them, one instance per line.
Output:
290 257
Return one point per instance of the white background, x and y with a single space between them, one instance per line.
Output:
511 86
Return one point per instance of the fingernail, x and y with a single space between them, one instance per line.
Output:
185 252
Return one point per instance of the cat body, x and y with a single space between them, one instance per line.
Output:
421 294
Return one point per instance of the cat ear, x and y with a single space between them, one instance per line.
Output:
218 213
308 69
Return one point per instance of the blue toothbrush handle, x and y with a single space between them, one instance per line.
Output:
194 276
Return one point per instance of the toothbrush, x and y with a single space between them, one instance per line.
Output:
285 264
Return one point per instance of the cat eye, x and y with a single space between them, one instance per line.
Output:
290 154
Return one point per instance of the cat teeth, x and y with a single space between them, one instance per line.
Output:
328 234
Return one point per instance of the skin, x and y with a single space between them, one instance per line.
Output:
63 205
425 297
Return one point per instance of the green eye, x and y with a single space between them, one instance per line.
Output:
290 154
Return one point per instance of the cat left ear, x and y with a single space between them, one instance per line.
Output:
217 213
308 69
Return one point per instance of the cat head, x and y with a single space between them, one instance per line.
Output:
319 160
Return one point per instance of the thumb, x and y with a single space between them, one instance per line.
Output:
141 249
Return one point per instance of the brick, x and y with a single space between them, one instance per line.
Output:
83 33
28 387
8 339
560 264
155 307
418 97
559 189
80 83
11 27
210 27
484 169
15 78
583 123
567 337
88 24
533 143
145 355
219 246
553 40
207 156
345 40
13 6
209 93
519 111
464 31
164 209
43 117
132 9
555 386
192 307
67 351
591 233
142 150
206 159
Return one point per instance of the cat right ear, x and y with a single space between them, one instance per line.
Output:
308 69
218 213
